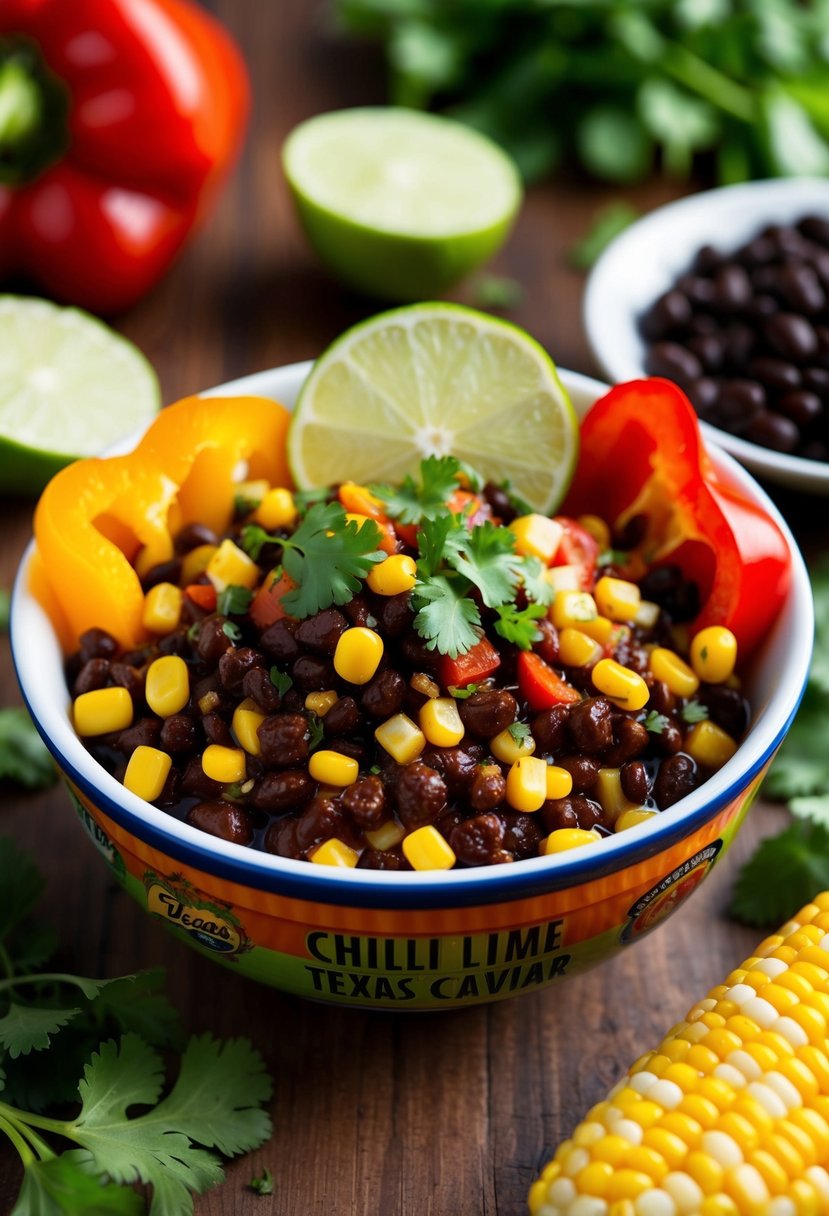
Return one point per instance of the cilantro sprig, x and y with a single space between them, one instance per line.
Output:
411 502
93 1043
326 557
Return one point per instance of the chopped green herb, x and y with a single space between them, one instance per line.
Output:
263 1185
5 605
24 757
519 731
655 722
232 631
304 499
612 557
234 600
280 680
316 731
694 711
461 694
243 505
518 625
193 633
410 502
254 539
446 618
375 770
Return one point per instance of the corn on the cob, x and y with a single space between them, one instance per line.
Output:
730 1114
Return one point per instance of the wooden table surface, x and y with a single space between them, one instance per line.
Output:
380 1114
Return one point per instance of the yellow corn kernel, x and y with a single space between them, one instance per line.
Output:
393 576
162 608
319 703
567 838
101 711
536 536
709 744
506 748
167 689
334 852
231 566
576 649
210 701
386 836
628 1184
426 849
632 817
714 654
224 764
573 608
333 768
358 654
277 509
719 1205
594 1178
527 784
622 686
559 782
194 563
247 718
673 671
670 1147
617 598
598 529
610 794
441 722
705 1171
601 629
147 771
401 738
562 578
646 1161
647 614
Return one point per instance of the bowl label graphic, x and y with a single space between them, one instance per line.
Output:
97 835
211 924
652 907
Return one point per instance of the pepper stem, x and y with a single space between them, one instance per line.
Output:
21 104
34 108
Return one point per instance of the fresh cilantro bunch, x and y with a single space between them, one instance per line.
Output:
326 556
55 1049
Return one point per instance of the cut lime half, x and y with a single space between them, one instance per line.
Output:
436 379
69 387
400 204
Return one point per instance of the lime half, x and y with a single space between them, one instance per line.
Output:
436 379
400 204
69 387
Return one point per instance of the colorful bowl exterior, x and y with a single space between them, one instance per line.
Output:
415 940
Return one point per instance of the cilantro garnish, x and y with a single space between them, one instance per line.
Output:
448 620
56 1049
519 731
24 757
518 503
316 731
326 557
694 711
303 499
612 557
460 694
655 722
280 680
243 505
234 600
232 631
518 625
263 1185
486 556
410 502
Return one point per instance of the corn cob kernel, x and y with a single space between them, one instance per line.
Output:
393 576
358 654
562 578
559 781
736 1122
162 608
224 764
167 688
673 671
386 836
573 608
564 839
102 710
333 768
276 509
147 771
426 849
441 722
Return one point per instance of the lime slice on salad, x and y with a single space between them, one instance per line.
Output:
436 379
400 204
69 387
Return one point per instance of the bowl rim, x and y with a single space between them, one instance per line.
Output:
662 228
31 631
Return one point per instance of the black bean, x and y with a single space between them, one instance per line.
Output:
522 834
388 859
677 777
321 820
499 500
635 783
739 402
488 788
421 795
486 713
258 685
164 572
816 228
193 535
630 739
132 678
774 431
732 288
548 729
395 614
179 734
706 260
709 349
212 640
359 612
222 819
284 791
478 841
143 733
816 380
457 766
284 740
669 740
583 769
384 694
757 252
547 645
774 373
217 730
279 642
671 312
234 664
662 700
365 802
801 406
281 838
590 725
321 632
740 341
801 289
673 361
313 674
97 644
559 813
175 643
727 707
792 335
195 782
343 718
93 675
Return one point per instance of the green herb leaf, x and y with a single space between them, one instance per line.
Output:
486 557
802 764
316 731
232 631
694 711
606 226
24 757
263 1185
785 872
234 600
461 694
518 625
519 731
536 587
60 1186
410 502
303 499
281 681
243 505
447 619
253 540
326 557
26 1028
655 722
438 539
5 606
137 1003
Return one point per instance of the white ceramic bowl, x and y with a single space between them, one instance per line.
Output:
646 259
429 940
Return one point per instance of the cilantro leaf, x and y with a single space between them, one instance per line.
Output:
254 538
488 559
303 499
518 625
819 671
785 872
26 1028
60 1187
802 764
694 711
326 557
24 757
536 587
243 505
460 694
263 1185
410 502
234 600
281 680
814 807
316 731
136 1003
438 539
519 731
232 631
655 722
447 618
5 606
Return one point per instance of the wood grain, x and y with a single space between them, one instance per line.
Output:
415 1115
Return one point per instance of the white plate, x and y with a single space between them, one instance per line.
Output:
645 260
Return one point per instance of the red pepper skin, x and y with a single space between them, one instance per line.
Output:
540 686
642 452
158 100
577 548
202 594
266 607
477 664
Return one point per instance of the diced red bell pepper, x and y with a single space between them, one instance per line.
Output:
540 686
474 510
642 455
577 548
477 664
203 595
266 607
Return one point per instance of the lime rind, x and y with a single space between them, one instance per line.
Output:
436 378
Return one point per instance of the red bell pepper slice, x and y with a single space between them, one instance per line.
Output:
133 113
642 455
577 548
540 686
266 606
477 664
203 595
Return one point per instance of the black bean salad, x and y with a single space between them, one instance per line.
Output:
746 335
419 676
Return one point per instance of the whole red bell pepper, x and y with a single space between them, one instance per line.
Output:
118 120
642 455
